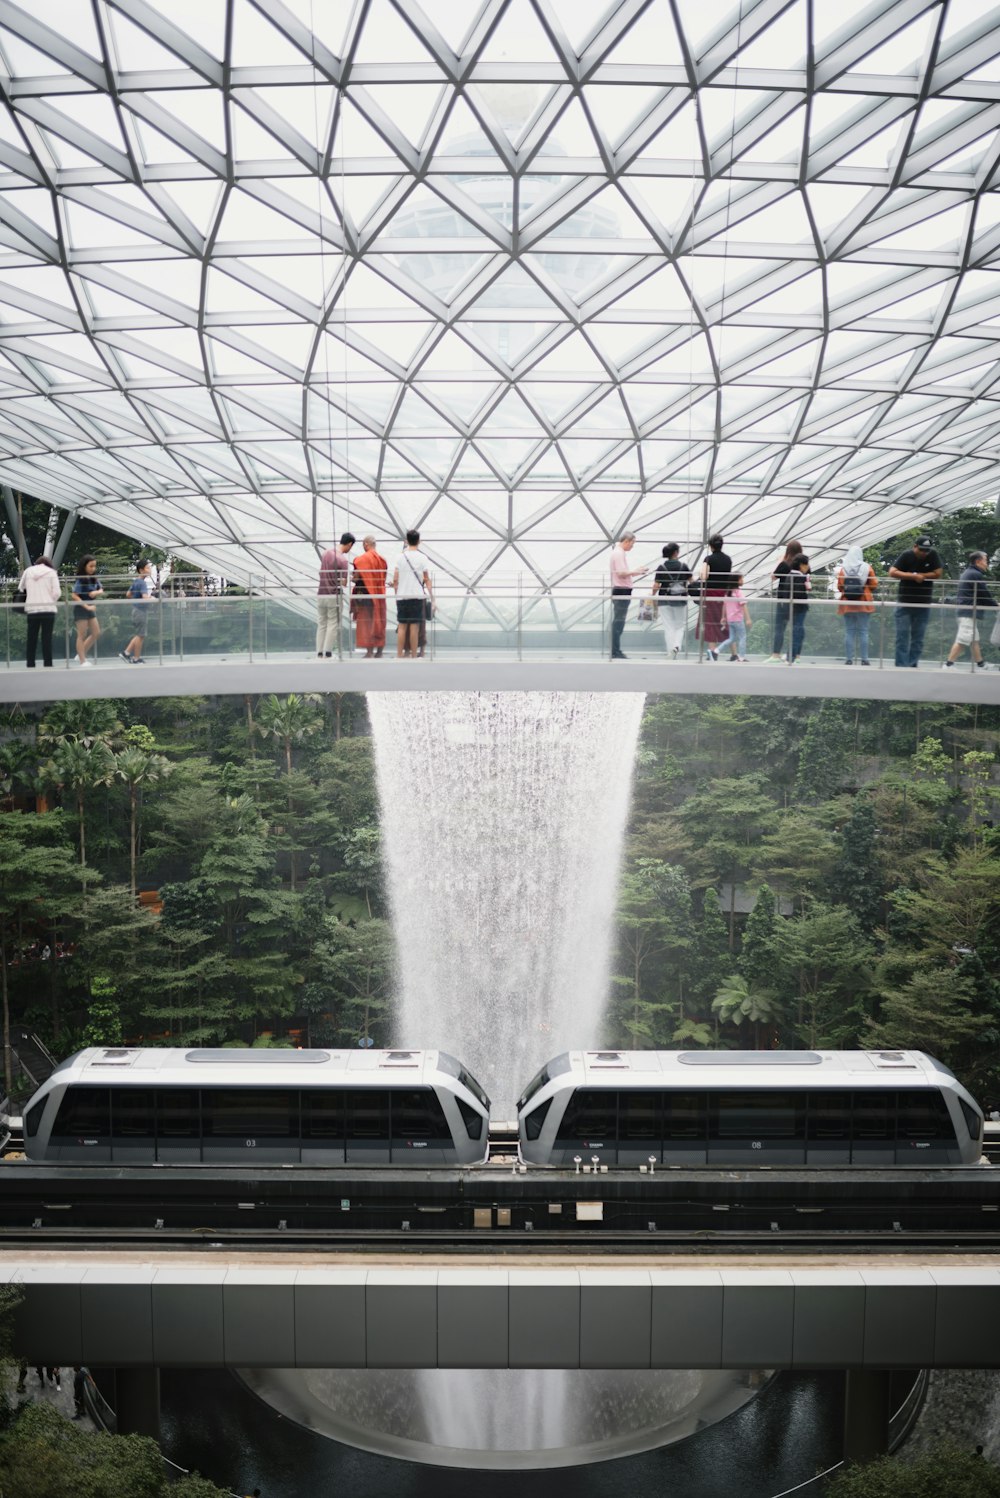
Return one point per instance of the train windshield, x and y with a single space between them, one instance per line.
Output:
557 1067
457 1070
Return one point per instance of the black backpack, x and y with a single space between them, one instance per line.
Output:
853 590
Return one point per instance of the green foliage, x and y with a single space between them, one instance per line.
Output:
43 1455
947 1471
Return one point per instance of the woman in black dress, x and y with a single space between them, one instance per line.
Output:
716 581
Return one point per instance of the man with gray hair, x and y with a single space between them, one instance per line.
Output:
973 594
622 579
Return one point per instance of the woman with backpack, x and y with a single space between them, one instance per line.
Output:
670 587
856 584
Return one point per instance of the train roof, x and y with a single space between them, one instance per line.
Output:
699 1069
190 1066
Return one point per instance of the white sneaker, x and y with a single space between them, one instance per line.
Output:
947 665
86 663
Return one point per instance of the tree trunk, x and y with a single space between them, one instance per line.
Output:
83 842
131 849
8 1059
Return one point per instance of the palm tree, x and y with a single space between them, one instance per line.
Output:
78 767
89 722
292 719
138 767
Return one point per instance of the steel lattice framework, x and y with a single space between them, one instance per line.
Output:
521 272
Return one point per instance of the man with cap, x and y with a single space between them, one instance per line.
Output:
334 572
916 570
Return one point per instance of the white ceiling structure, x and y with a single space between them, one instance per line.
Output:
523 273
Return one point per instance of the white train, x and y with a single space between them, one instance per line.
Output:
744 1108
266 1107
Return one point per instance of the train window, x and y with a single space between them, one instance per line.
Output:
973 1119
368 1113
923 1115
453 1068
323 1114
473 1121
83 1111
759 1115
133 1113
417 1114
33 1118
874 1115
178 1113
250 1112
535 1120
640 1117
829 1116
684 1115
557 1067
591 1114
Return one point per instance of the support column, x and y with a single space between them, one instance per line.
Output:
866 1414
137 1401
14 521
62 542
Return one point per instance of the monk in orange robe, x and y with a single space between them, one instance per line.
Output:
368 598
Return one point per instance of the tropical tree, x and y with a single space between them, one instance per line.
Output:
654 933
93 720
37 874
737 1003
79 767
291 720
946 1471
139 768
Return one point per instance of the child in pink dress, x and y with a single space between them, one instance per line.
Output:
737 617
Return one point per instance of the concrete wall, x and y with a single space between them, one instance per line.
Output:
234 1313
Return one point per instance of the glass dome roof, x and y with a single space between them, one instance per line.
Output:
522 273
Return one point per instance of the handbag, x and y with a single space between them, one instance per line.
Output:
646 614
20 599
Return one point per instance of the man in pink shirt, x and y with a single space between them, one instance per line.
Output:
622 578
334 569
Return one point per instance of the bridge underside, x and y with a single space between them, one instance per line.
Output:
217 676
202 1311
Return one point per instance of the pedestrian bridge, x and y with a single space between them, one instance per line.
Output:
209 1310
453 671
254 642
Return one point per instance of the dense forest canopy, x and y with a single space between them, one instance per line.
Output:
208 871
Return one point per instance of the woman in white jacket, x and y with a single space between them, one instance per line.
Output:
40 585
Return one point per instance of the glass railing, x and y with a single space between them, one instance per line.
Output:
502 622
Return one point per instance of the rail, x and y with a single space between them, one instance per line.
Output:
508 621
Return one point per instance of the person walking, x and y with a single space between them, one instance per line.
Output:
80 1376
916 570
140 591
783 593
411 583
622 578
738 621
86 589
368 599
801 586
40 586
334 573
670 589
716 581
973 594
856 584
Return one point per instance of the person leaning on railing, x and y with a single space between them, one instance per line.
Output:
916 570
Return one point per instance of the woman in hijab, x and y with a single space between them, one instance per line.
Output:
856 584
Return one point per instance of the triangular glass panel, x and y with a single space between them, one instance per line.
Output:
652 35
251 141
385 37
510 340
902 55
511 107
135 49
411 107
454 355
463 136
357 136
451 20
782 45
256 42
511 416
199 109
519 37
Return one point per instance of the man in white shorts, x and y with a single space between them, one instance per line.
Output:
973 594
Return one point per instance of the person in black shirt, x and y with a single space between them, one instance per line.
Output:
916 570
783 592
800 585
973 594
717 579
670 590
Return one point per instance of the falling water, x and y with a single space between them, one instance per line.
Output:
503 816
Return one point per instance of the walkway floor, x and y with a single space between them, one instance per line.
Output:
47 1393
